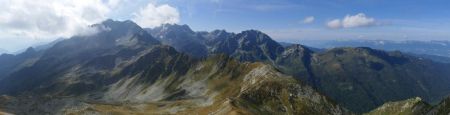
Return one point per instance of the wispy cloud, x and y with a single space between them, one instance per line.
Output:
153 15
40 19
309 19
352 21
334 24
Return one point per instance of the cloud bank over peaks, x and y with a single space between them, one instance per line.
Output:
352 21
153 15
40 19
50 19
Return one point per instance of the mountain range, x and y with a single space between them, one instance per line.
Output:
438 49
358 78
171 69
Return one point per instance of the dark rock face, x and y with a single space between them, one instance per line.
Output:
248 45
251 45
181 37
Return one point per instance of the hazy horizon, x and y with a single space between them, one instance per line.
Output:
284 20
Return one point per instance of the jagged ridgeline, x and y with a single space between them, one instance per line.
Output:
172 69
124 70
357 78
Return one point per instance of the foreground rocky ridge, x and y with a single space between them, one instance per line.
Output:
414 106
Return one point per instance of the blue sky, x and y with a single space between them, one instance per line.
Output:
21 25
282 19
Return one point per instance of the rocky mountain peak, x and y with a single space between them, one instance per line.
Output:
255 37
296 49
121 33
220 34
30 50
115 23
170 29
181 37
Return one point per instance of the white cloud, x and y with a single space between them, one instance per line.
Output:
26 22
153 15
44 19
309 19
358 20
335 24
113 3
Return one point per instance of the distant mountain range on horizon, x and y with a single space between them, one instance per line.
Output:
171 69
437 50
433 47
